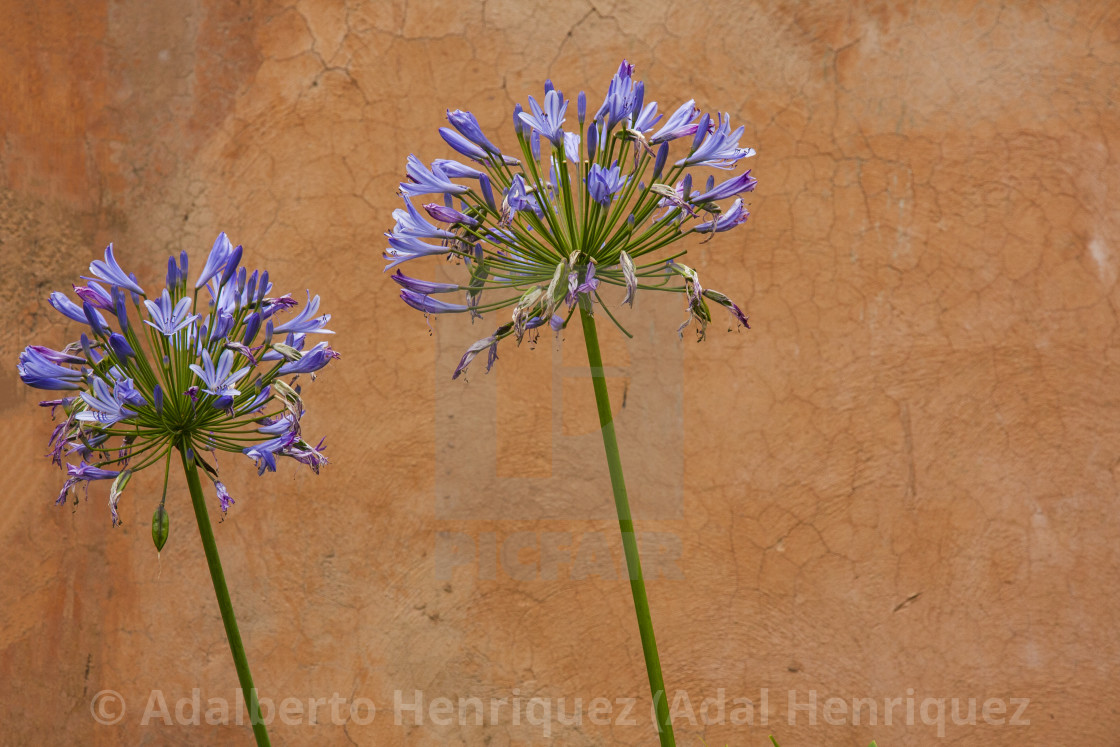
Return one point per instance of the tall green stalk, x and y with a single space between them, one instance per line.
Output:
626 525
244 676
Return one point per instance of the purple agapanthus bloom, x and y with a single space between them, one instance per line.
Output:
734 216
589 213
94 295
311 361
464 146
105 406
109 271
306 321
71 310
216 260
455 170
200 385
469 128
720 149
42 370
445 214
219 379
413 225
83 473
603 184
517 198
576 288
404 248
425 287
429 305
225 500
170 319
735 185
547 120
680 123
619 102
424 181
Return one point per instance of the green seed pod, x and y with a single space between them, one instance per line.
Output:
159 527
287 351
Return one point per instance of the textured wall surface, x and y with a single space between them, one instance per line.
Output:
902 483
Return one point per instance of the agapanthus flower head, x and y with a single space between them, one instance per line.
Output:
592 207
199 375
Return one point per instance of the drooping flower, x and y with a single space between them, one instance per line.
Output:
726 221
424 181
719 149
679 124
196 376
589 209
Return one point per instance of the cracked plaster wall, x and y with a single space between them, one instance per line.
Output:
905 476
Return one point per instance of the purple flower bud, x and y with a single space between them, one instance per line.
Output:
263 287
461 144
87 348
639 96
469 128
251 287
157 396
93 319
94 295
701 130
581 106
517 118
592 141
535 144
122 310
548 86
659 162
449 215
231 265
487 191
172 273
252 326
120 347
222 325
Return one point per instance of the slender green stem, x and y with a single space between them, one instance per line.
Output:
244 676
626 525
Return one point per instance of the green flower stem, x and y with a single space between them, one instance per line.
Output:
626 525
244 676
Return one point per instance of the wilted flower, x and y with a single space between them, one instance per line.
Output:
541 233
197 375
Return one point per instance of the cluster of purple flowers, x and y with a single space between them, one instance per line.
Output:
540 233
178 371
